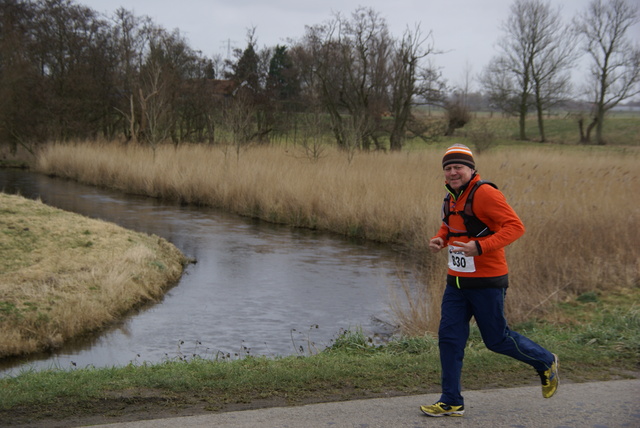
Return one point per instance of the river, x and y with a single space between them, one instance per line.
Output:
256 289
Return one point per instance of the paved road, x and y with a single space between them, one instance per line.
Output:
580 405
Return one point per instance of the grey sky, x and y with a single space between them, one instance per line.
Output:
465 30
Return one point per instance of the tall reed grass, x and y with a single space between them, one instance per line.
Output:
576 203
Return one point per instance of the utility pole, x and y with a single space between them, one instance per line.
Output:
227 43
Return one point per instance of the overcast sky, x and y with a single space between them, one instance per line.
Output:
466 30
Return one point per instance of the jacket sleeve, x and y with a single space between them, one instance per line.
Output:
442 233
491 206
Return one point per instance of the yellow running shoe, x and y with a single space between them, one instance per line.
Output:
550 379
442 409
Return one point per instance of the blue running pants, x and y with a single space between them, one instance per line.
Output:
486 305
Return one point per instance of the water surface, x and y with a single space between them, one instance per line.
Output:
257 288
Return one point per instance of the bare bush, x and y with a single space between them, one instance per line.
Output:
482 134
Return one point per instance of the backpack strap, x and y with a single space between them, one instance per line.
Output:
475 227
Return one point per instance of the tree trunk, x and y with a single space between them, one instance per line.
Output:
543 137
590 128
523 116
599 122
132 121
400 119
583 137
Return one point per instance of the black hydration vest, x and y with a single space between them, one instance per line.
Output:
475 227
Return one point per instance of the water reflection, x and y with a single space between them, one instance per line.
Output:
257 288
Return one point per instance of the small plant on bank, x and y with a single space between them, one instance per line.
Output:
311 140
352 341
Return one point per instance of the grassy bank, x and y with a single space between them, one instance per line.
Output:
574 202
64 275
598 341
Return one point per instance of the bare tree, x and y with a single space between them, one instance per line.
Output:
322 71
456 105
464 90
351 58
20 78
129 44
155 108
160 81
615 60
531 70
312 144
500 86
518 46
367 81
239 116
67 72
555 54
69 48
405 77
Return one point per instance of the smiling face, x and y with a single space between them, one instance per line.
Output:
457 175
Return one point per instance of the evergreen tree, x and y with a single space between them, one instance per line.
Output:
246 68
281 81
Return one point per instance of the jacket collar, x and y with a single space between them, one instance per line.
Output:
456 193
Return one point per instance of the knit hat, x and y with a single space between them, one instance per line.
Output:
459 153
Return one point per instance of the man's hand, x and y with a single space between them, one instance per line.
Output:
436 244
469 249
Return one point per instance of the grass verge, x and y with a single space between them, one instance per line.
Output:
600 342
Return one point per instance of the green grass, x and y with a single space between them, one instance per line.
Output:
620 128
596 337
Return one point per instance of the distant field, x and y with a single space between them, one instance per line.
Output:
561 127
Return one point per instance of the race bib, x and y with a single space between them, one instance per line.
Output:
459 262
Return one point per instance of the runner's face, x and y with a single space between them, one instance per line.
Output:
457 175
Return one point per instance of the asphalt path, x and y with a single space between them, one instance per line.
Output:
580 405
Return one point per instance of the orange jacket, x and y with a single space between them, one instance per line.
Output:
491 207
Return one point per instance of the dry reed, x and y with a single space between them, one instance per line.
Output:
581 235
